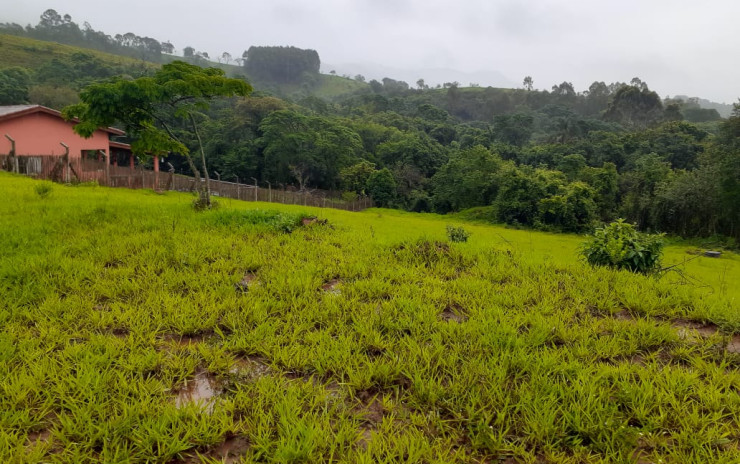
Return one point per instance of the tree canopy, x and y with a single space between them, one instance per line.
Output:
152 109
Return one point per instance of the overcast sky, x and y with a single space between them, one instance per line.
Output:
676 46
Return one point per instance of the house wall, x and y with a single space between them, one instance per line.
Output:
40 134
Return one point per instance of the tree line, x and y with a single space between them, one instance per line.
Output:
554 159
53 26
552 163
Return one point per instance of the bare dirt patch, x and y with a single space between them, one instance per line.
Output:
453 313
185 341
623 315
370 411
734 345
307 221
118 332
247 281
331 286
228 452
635 359
38 437
693 331
231 449
690 329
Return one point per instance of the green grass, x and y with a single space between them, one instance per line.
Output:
334 86
32 54
369 338
328 87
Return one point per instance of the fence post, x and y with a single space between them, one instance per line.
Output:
156 172
171 183
107 166
12 159
65 157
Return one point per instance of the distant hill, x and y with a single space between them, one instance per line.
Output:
32 54
724 109
35 55
431 76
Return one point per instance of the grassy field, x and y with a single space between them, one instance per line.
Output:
133 329
32 54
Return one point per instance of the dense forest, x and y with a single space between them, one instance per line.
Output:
558 159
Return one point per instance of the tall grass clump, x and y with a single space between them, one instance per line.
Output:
43 189
619 246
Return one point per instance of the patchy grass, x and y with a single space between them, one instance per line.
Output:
133 329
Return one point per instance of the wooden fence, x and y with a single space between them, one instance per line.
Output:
58 169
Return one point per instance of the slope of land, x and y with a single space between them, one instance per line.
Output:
137 330
32 54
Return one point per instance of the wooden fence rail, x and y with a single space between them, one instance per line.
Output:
59 169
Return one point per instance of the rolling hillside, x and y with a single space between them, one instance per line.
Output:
34 54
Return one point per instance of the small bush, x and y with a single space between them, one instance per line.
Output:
620 246
457 234
44 189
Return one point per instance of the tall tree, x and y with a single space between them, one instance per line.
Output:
149 108
528 83
635 107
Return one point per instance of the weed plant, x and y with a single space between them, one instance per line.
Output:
43 189
369 339
620 246
457 234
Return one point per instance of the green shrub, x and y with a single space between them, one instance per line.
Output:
43 189
457 234
620 246
349 196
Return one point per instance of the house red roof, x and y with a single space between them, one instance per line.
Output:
14 111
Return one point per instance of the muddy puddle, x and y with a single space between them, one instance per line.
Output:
251 367
200 390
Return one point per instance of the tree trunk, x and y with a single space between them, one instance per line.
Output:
206 191
203 199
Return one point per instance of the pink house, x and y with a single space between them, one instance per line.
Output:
40 132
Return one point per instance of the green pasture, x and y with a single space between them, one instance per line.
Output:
134 329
